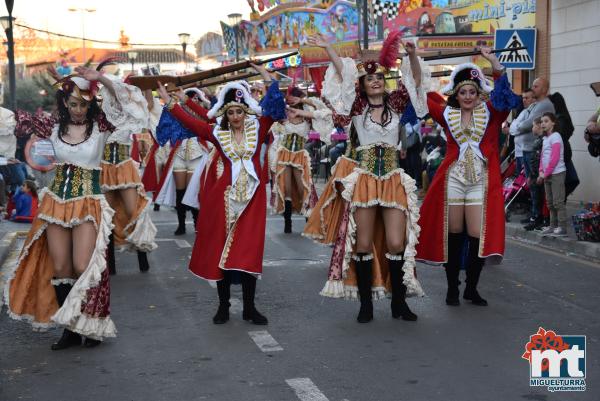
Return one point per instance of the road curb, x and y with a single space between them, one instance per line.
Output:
566 245
6 245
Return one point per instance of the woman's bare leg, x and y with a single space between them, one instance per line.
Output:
365 224
180 179
84 243
473 218
60 248
456 219
395 230
298 181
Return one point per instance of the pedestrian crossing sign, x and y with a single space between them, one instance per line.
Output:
523 59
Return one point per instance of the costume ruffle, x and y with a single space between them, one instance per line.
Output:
301 203
29 293
127 110
341 91
418 96
138 232
335 212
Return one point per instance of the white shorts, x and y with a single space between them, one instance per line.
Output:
463 193
181 165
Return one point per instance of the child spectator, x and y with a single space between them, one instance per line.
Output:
26 202
537 191
552 174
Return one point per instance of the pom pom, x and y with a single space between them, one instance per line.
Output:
273 104
390 50
502 96
170 129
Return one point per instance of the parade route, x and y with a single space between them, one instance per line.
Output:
168 348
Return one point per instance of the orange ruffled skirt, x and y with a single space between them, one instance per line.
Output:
29 292
301 202
137 232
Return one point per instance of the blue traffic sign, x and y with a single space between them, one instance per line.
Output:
523 59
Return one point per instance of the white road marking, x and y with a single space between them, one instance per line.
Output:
306 390
265 341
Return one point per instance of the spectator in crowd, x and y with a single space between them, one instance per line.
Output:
538 192
541 105
26 200
592 134
565 127
434 144
552 175
521 138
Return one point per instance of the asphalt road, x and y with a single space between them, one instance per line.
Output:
312 349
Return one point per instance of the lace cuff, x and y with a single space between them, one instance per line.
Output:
418 96
127 109
341 92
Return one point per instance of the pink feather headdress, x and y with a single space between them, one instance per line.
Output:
387 57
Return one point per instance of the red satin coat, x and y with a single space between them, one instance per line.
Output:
215 249
433 240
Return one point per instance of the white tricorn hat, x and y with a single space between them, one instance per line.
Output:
234 94
467 74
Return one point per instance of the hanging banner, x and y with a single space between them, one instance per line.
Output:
287 26
421 17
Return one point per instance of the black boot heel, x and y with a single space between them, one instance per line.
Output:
67 340
91 343
248 292
287 215
398 305
473 273
222 315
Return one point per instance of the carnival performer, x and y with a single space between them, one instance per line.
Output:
368 209
467 188
294 188
67 243
231 225
184 158
125 192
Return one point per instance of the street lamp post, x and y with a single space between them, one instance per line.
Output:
7 24
82 10
234 22
183 39
132 56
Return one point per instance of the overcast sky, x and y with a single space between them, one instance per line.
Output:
149 21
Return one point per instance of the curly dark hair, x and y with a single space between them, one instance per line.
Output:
64 118
386 115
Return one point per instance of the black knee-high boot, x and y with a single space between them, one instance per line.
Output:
143 261
399 306
180 208
68 338
287 215
110 255
455 247
364 280
224 292
473 272
248 291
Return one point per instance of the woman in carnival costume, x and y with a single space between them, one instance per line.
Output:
231 225
294 189
186 156
61 276
124 190
467 188
368 209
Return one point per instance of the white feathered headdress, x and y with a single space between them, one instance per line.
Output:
234 94
467 74
201 95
